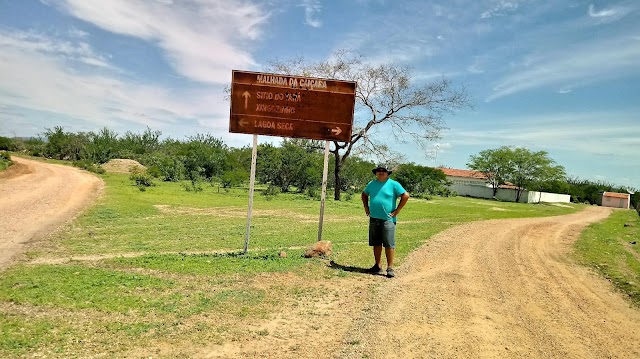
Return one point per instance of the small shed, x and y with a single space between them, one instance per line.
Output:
615 200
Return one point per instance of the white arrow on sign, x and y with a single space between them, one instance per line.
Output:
243 122
336 131
246 96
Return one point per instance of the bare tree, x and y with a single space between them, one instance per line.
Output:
387 103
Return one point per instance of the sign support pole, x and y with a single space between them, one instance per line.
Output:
254 155
324 188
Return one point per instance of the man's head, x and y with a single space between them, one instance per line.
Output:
382 173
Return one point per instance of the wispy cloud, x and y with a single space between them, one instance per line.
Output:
75 50
611 14
502 8
591 133
579 64
36 77
312 9
601 13
202 40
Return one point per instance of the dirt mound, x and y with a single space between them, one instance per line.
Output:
118 165
319 249
15 170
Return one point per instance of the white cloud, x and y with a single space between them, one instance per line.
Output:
589 63
36 76
602 13
312 9
203 40
71 50
502 8
615 134
611 14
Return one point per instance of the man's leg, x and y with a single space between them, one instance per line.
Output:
390 254
389 246
377 254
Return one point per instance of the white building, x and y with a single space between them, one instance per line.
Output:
475 184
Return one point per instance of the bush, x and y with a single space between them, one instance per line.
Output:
141 179
5 160
314 192
233 178
89 166
271 192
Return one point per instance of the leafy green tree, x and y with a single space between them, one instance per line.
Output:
528 167
289 165
355 174
494 164
268 163
237 167
64 145
203 156
102 145
518 165
420 180
133 145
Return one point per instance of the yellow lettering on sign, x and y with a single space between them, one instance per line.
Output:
275 108
285 126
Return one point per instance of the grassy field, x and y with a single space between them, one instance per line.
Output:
165 266
612 247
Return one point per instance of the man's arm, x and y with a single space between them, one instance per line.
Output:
365 203
403 200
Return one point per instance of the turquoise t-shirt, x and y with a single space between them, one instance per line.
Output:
383 197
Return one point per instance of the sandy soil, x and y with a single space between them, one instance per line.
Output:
36 198
498 289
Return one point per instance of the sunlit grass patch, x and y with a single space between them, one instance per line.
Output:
20 335
78 287
606 246
214 264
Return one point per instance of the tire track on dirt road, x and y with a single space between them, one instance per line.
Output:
36 198
498 289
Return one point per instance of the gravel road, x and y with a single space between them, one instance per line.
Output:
498 289
36 198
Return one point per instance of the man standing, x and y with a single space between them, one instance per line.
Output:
382 211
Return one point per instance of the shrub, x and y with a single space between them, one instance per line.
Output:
89 166
314 192
140 178
5 160
271 192
233 178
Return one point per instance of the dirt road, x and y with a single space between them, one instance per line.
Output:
36 198
497 289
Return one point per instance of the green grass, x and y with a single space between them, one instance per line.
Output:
167 263
5 160
606 246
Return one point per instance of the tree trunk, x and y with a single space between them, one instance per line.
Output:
336 173
518 193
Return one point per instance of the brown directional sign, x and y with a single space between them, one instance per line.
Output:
291 106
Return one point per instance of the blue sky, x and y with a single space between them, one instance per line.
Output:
558 76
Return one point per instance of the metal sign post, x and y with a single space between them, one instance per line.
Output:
324 188
254 155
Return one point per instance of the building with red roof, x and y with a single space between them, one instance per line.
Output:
615 200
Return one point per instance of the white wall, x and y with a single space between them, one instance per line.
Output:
510 194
